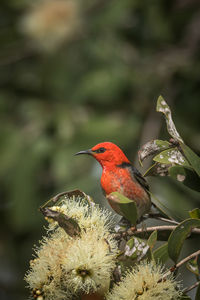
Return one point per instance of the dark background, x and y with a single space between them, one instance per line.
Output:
75 73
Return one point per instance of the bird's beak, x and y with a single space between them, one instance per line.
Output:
89 152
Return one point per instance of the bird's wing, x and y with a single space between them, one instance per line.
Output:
138 176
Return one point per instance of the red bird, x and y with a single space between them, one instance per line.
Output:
119 175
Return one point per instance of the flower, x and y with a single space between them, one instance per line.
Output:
83 264
89 217
50 22
143 283
88 264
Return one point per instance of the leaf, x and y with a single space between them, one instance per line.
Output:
195 213
192 157
178 236
160 206
161 254
74 193
152 239
184 297
92 296
163 107
151 148
187 176
157 169
197 296
123 206
171 156
192 266
136 248
70 226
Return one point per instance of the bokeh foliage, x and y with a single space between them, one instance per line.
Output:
99 83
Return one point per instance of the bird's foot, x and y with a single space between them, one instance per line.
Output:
125 223
125 228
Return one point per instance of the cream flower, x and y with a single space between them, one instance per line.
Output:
66 266
142 283
51 22
88 263
89 217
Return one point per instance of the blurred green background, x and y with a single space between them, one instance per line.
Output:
75 73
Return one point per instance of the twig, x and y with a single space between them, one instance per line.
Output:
132 231
164 219
187 258
175 267
163 228
186 290
158 228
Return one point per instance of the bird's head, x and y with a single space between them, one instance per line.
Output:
106 154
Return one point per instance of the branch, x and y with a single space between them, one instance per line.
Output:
157 217
133 231
187 258
163 228
175 267
186 290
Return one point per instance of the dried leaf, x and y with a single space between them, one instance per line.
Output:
69 194
157 169
151 148
70 226
136 248
163 107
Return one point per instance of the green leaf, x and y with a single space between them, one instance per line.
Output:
195 213
192 157
160 206
151 148
171 156
152 239
163 107
161 254
184 297
187 176
192 266
197 296
123 206
178 236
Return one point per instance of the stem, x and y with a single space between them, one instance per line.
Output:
165 220
187 258
186 290
184 260
131 232
163 228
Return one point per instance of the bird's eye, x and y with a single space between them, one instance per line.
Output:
100 150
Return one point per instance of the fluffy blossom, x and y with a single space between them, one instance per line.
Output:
88 264
66 266
51 22
143 283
